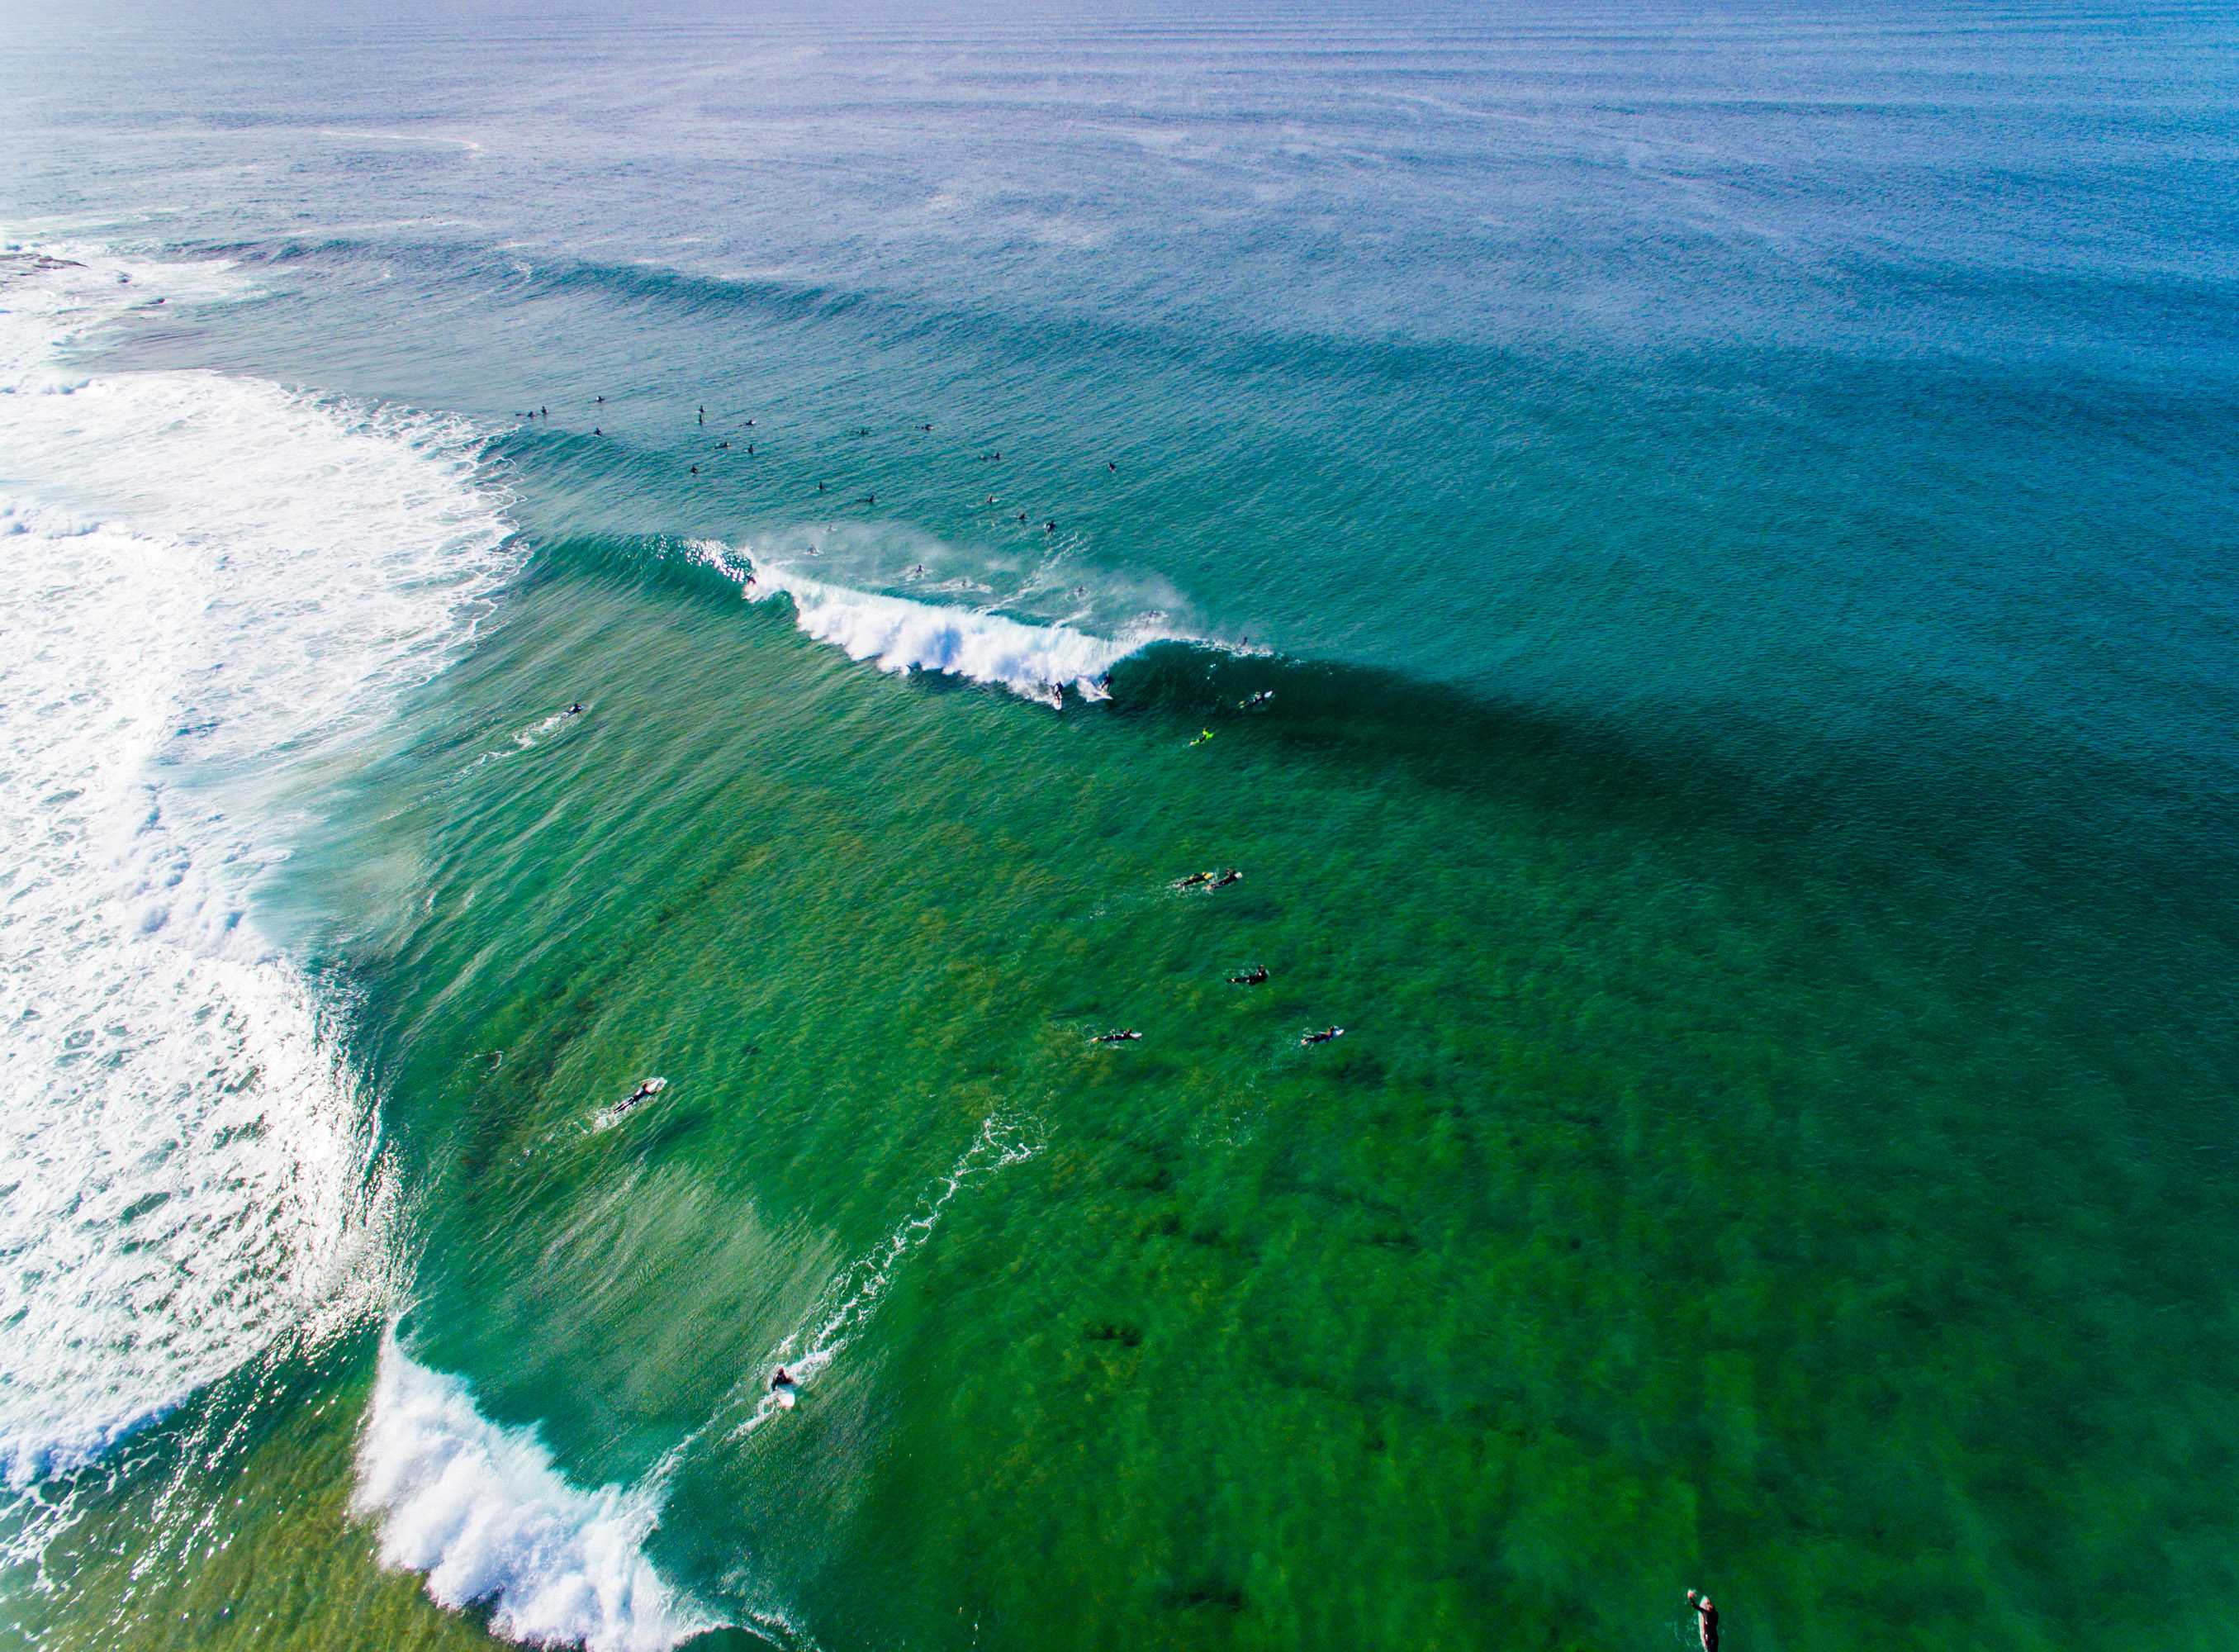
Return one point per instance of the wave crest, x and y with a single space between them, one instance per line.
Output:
1037 663
486 1514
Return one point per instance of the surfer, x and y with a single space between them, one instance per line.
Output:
779 1381
1203 735
638 1098
595 430
1323 1036
695 470
1260 698
575 709
703 415
1050 527
1193 880
1118 1035
723 446
1231 876
598 398
1706 1619
1256 975
1109 465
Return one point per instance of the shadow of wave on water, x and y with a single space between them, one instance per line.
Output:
1922 796
1949 819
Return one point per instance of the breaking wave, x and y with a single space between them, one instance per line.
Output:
1036 661
486 1514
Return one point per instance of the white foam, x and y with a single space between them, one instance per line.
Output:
1036 661
486 1514
217 589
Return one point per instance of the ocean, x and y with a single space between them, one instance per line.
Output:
1687 562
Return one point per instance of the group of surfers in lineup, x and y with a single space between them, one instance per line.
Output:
1049 526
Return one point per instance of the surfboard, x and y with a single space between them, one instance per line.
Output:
622 1110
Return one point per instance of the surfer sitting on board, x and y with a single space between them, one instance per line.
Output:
1323 1036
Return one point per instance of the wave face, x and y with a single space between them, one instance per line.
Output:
487 1516
220 588
850 1300
1038 663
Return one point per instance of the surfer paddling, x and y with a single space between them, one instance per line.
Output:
1117 1036
635 1099
1325 1035
1255 977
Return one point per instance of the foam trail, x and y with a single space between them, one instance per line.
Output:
486 1514
854 1295
1035 662
198 642
534 735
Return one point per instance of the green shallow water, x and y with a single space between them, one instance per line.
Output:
1700 1193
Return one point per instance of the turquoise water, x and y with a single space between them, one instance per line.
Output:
1732 520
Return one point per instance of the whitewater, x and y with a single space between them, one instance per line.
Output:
224 586
1036 661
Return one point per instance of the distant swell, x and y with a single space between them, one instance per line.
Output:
486 1514
1038 662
